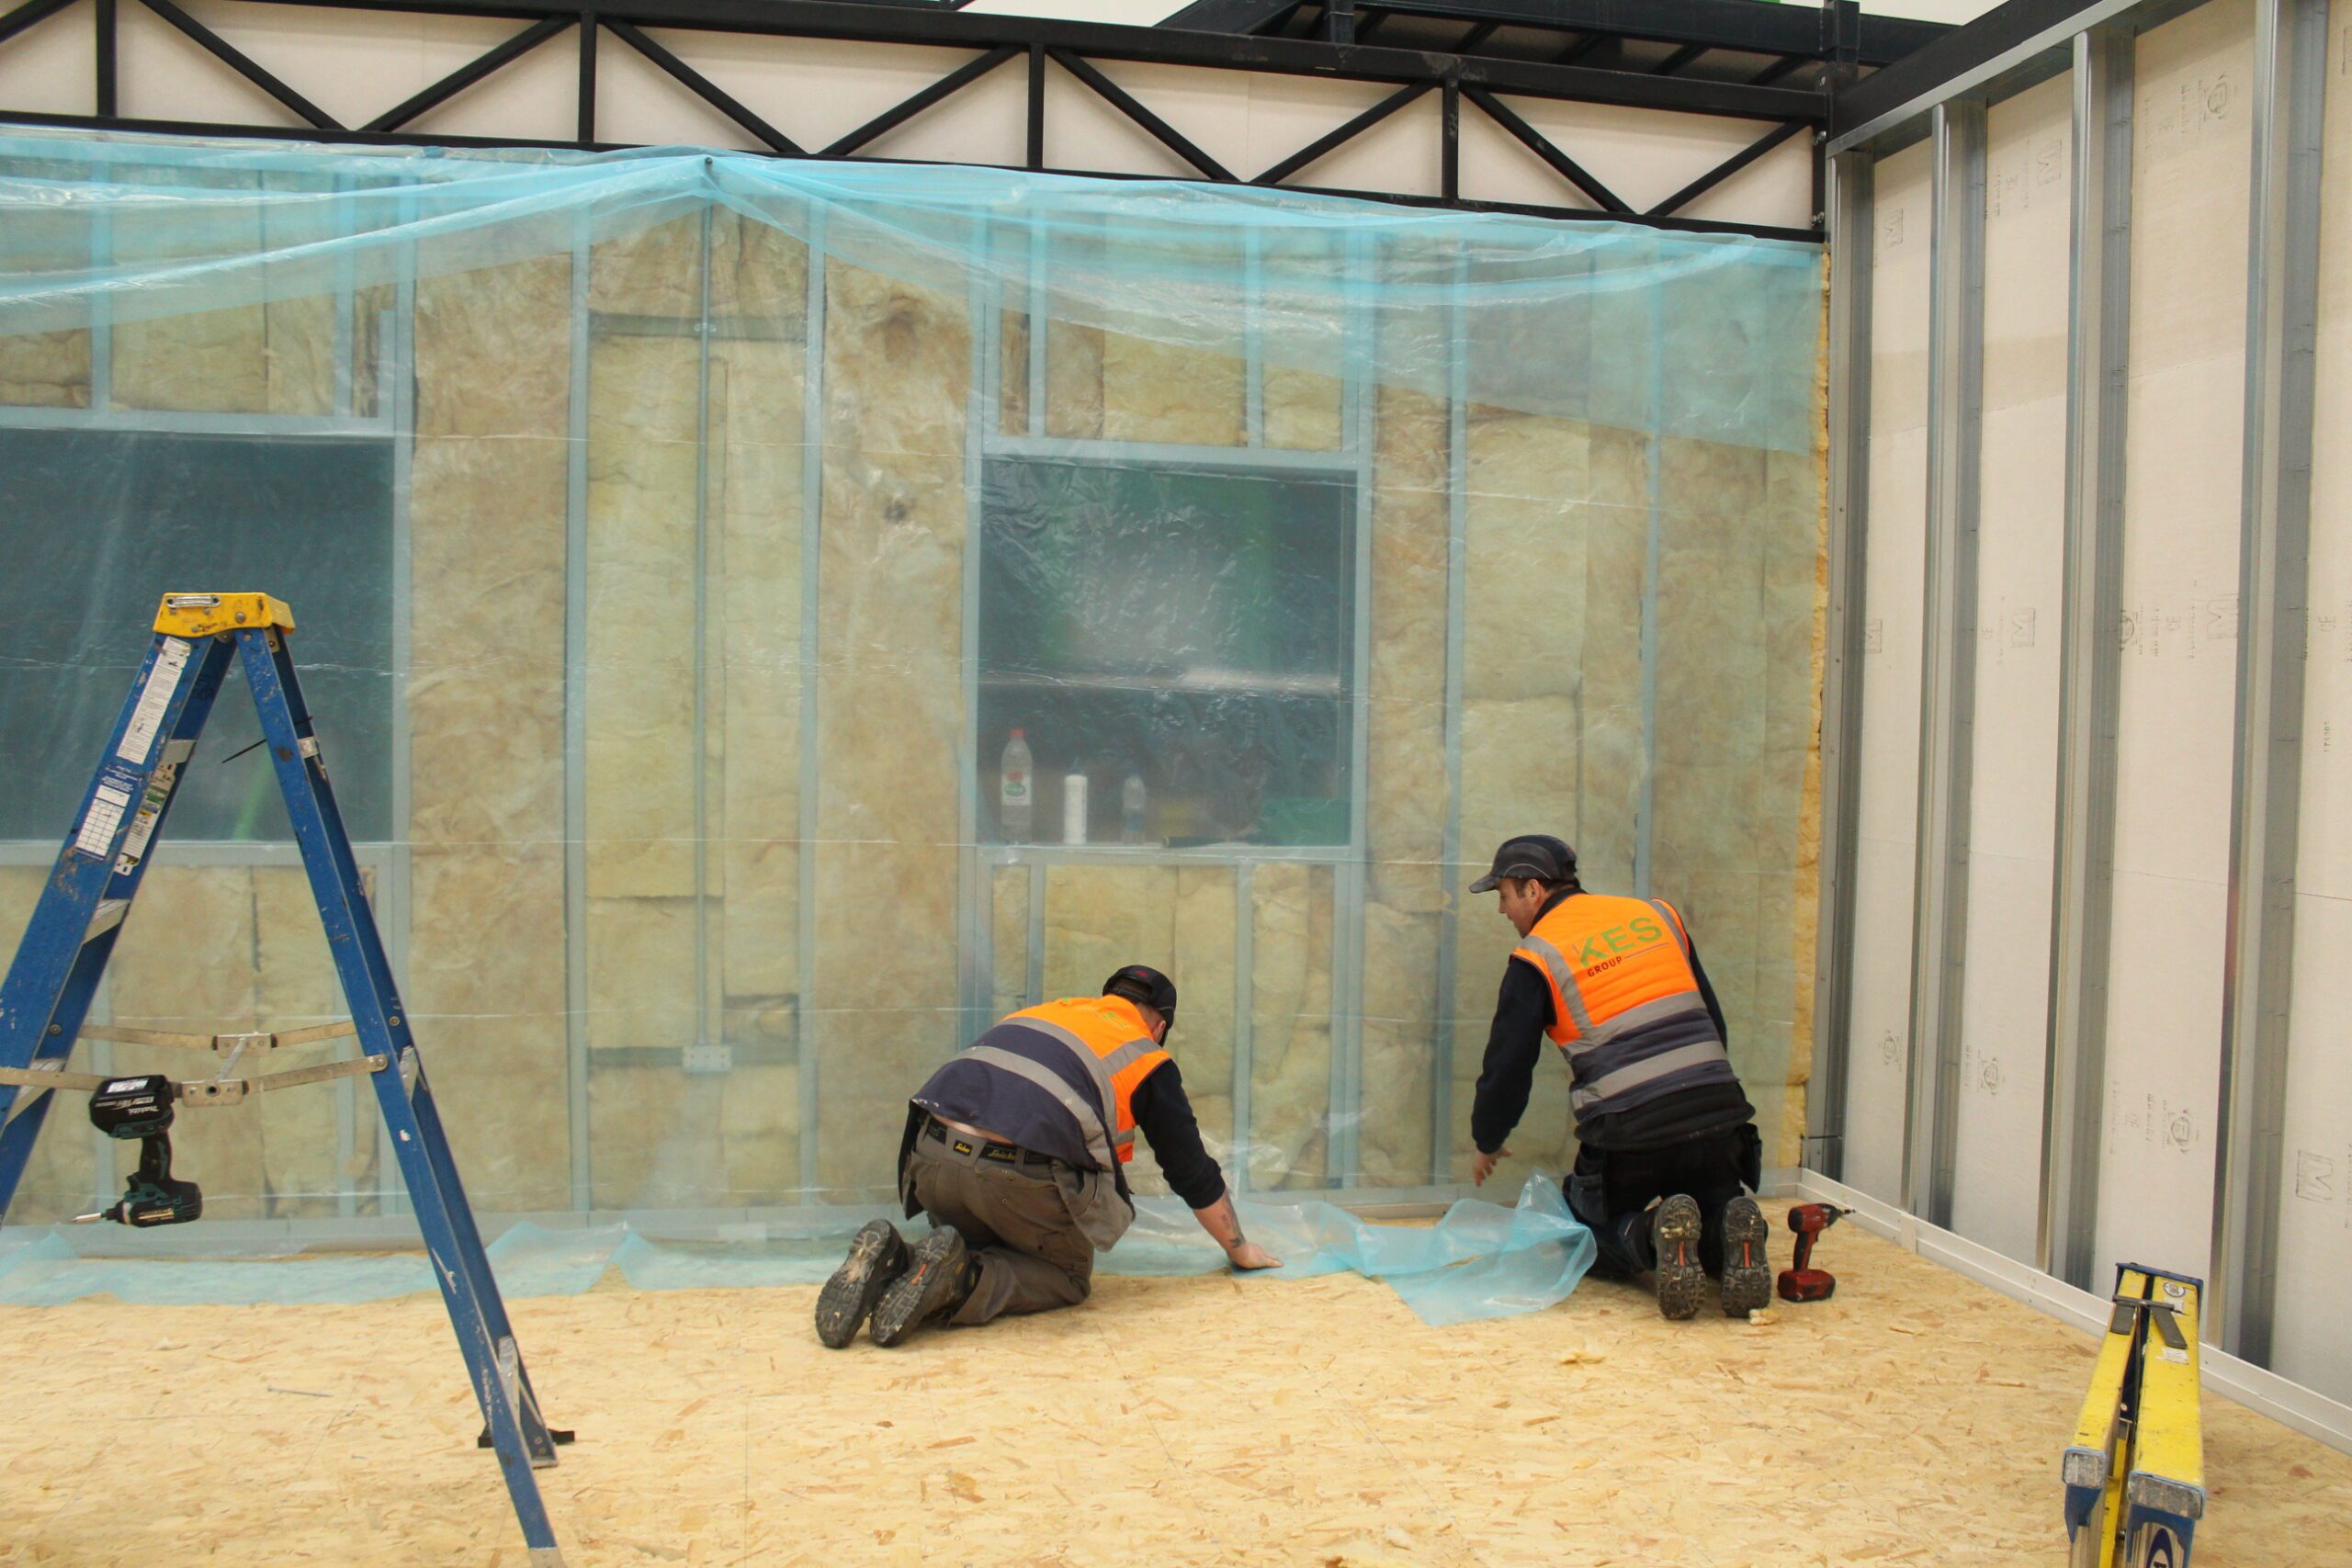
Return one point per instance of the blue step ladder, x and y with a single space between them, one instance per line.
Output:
81 912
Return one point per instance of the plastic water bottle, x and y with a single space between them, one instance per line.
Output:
1132 802
1016 805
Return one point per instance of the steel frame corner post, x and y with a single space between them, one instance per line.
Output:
477 1313
2089 654
1948 661
1852 226
69 938
2282 305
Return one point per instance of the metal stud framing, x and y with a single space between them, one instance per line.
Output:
1851 230
2097 39
1947 659
2090 657
2282 307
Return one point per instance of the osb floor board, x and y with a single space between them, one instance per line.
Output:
1916 1418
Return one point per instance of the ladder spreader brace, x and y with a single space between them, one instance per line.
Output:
82 907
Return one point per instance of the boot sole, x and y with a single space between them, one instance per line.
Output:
934 1267
1682 1282
1748 1270
876 1257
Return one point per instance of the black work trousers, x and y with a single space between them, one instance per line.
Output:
1612 1190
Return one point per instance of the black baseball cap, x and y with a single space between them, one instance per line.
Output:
1139 983
1537 855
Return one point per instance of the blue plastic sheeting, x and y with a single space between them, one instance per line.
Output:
1481 1260
189 227
42 1268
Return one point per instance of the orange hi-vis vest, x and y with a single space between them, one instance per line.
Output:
1058 1079
1625 1005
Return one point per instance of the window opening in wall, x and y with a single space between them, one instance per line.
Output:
1180 637
99 523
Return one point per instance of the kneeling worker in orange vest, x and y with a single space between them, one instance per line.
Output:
1666 1143
1017 1150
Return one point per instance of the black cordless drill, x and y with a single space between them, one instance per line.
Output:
141 1108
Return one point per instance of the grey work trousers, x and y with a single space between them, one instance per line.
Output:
1017 1224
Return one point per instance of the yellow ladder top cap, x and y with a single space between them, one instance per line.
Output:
206 615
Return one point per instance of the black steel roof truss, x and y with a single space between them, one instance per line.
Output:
1724 171
1077 47
1340 136
706 89
466 76
890 119
1125 102
243 64
1544 147
26 14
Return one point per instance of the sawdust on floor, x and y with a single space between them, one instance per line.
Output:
1915 1418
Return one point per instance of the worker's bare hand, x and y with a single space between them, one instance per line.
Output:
1250 1255
1484 1166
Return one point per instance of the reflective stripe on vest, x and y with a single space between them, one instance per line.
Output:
1626 1008
1101 1032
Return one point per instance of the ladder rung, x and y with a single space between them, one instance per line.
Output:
259 1040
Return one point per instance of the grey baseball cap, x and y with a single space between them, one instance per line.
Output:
1538 855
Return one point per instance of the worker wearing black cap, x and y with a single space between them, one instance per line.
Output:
1017 1150
1666 1143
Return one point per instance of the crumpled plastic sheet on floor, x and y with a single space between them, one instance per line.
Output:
1481 1260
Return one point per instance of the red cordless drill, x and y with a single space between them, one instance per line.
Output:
1800 1283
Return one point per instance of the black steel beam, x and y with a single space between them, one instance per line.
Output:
1719 24
466 76
243 64
1163 46
1340 135
1723 171
183 128
897 114
1544 147
588 30
110 60
1997 33
1231 16
28 15
1678 59
705 88
1118 97
1036 137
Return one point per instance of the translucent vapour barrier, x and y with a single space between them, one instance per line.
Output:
680 540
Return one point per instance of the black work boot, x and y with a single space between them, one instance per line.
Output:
1748 1272
876 1258
1674 1227
940 1275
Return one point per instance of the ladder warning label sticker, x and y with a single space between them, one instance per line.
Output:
151 806
162 684
103 820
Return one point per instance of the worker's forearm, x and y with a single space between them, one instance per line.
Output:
1223 1223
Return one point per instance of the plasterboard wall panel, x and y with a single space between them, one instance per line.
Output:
2177 714
2020 571
51 67
1886 832
2315 1253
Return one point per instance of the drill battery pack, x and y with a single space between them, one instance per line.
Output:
133 1108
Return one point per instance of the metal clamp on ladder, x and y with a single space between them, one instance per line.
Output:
84 903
